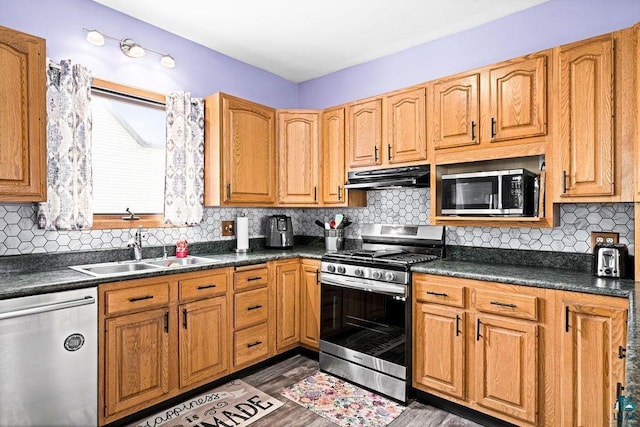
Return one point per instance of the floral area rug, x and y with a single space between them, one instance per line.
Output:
235 404
343 403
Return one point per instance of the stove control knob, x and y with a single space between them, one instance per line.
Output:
377 275
331 268
358 272
341 269
389 276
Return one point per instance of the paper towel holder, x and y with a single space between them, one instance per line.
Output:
241 250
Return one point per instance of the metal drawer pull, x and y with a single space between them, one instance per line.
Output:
206 287
478 330
184 318
140 298
473 130
438 294
457 324
254 344
166 322
251 279
503 304
255 307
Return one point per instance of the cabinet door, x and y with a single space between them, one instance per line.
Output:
299 157
204 338
287 305
589 363
249 152
310 304
365 133
506 353
456 112
406 124
586 119
137 359
333 157
439 356
23 161
518 102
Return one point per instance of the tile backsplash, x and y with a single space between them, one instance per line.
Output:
19 233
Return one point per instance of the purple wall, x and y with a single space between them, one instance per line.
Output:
547 25
199 70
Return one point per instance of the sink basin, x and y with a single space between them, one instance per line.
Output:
173 262
114 268
121 268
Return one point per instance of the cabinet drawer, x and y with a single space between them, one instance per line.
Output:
247 279
251 307
208 285
136 298
250 345
439 293
506 304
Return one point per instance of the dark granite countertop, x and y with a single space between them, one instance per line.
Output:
17 284
561 279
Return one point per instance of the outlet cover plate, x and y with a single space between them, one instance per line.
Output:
228 228
606 236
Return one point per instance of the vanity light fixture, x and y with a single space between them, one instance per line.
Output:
129 47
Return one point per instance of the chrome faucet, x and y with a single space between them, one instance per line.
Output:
135 242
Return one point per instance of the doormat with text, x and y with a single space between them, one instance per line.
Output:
235 404
343 403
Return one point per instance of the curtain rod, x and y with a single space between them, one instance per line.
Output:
128 96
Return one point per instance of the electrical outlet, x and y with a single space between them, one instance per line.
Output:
228 228
603 237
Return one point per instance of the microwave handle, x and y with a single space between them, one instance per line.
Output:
500 193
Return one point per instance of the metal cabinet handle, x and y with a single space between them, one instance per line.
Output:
252 279
317 276
134 299
315 193
473 130
206 287
438 294
564 181
254 344
493 127
457 324
254 307
166 322
339 193
478 330
389 151
184 318
566 319
228 191
375 154
503 304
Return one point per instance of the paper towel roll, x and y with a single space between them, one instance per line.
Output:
242 232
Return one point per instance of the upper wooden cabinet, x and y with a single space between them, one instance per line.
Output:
505 103
23 159
334 171
389 130
240 152
299 157
595 128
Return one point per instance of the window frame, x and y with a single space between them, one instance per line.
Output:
111 221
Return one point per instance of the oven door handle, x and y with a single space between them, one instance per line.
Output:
386 289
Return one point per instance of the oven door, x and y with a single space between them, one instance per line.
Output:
472 194
366 322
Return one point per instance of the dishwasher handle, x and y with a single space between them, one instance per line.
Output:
44 308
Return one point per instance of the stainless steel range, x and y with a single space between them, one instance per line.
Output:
365 298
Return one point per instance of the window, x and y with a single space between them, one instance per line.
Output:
129 134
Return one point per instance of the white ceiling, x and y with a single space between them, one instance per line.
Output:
300 40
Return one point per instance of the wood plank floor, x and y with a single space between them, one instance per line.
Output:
275 378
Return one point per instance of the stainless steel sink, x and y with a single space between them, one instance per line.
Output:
122 268
174 262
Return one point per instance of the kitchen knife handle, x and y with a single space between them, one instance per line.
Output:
473 130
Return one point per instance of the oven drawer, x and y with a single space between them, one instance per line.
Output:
438 293
506 304
250 345
250 278
251 307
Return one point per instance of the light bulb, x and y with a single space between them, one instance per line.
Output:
131 48
168 61
95 37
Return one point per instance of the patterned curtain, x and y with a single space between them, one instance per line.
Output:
69 174
184 182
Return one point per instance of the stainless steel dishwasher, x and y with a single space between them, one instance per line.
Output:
49 359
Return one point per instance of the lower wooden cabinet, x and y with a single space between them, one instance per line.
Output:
160 337
310 304
529 356
287 275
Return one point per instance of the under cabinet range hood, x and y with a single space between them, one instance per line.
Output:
406 176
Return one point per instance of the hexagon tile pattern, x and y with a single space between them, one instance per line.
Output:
20 235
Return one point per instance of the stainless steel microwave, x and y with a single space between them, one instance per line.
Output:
503 192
